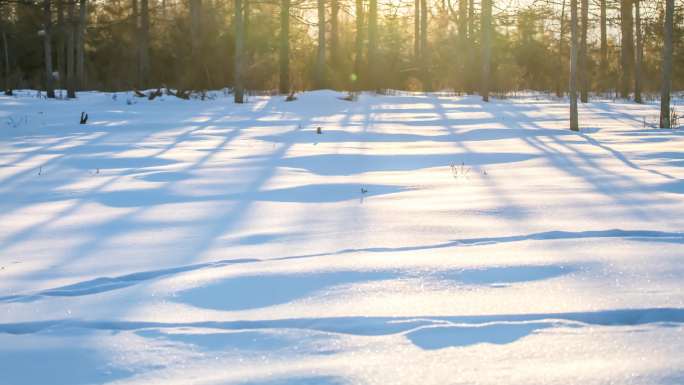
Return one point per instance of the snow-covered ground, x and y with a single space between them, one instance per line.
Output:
416 240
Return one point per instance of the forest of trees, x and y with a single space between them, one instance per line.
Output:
468 46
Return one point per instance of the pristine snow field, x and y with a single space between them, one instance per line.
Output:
417 240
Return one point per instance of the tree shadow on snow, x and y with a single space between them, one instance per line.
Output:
246 341
493 275
426 332
340 136
57 366
297 380
250 292
440 337
147 197
353 164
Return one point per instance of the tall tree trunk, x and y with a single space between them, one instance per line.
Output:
574 121
463 20
71 50
238 80
135 21
320 60
80 44
247 51
284 86
144 43
666 66
195 26
416 31
358 59
197 59
639 52
6 67
471 20
245 28
583 69
471 73
561 38
373 43
424 51
486 48
627 52
6 87
603 66
462 42
334 33
47 43
61 43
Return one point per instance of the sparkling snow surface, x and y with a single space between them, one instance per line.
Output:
417 240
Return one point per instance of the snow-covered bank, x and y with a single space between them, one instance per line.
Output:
417 239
